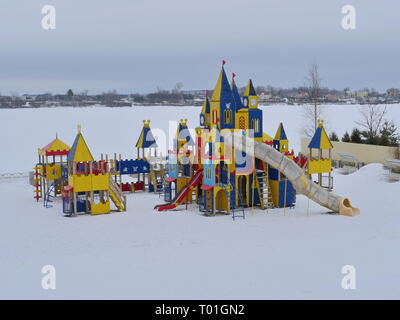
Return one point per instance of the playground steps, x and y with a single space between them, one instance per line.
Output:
117 196
264 190
241 213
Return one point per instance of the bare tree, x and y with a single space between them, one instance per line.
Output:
312 113
372 120
177 88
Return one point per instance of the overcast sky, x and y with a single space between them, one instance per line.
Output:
139 45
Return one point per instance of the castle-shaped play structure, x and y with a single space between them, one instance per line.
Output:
227 164
235 165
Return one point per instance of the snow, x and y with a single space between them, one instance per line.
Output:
294 253
110 130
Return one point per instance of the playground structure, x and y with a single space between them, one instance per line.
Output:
235 165
47 174
231 165
221 179
87 186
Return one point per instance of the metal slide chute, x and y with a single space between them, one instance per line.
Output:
292 171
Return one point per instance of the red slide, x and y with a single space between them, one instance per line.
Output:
182 194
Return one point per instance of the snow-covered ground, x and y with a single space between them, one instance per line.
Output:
109 130
292 253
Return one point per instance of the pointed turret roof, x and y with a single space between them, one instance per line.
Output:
222 90
280 133
320 140
183 133
80 151
146 138
249 91
236 96
206 106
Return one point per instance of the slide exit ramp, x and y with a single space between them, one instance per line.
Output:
292 171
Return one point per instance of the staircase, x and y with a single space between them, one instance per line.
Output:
116 195
263 187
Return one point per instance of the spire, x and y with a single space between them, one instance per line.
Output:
250 98
236 95
280 133
146 138
80 151
222 90
320 140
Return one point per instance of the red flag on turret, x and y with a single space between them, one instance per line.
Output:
206 93
233 75
223 62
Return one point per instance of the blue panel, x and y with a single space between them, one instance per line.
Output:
64 174
224 174
133 166
315 142
172 166
276 144
256 114
290 194
209 174
186 170
273 174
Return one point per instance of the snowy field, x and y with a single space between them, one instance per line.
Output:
292 253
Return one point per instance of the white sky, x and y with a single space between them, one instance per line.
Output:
139 45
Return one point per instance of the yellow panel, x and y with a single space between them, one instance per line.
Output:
100 182
253 101
275 192
53 171
242 120
81 150
81 183
267 137
325 142
319 166
283 145
101 208
221 200
217 90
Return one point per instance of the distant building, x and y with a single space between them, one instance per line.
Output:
362 94
194 92
393 92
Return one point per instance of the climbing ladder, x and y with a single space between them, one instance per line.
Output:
117 196
48 197
241 213
263 188
37 182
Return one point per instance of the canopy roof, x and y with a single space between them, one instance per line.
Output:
55 148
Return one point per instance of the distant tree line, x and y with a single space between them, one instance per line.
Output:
374 128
